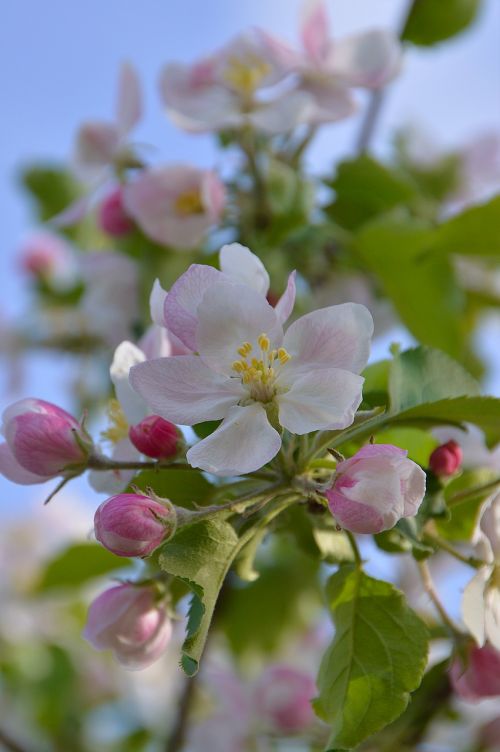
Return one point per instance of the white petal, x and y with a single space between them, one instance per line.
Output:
181 304
334 337
282 114
240 264
327 398
229 315
157 303
184 390
492 616
370 59
473 607
314 29
128 105
127 355
490 525
244 442
285 304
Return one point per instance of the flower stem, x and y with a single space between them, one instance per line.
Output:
471 493
435 540
431 592
355 549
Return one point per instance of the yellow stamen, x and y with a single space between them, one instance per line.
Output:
118 428
283 356
238 366
246 74
245 349
189 202
264 342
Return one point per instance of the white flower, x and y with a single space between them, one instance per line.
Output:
248 372
481 599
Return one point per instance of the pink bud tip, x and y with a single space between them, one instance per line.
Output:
129 620
113 218
446 459
133 525
479 676
155 437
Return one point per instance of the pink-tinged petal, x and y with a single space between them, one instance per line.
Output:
244 442
229 315
73 213
473 606
240 264
314 29
370 451
370 59
326 398
327 101
96 144
128 105
353 515
181 304
213 195
195 102
184 390
283 113
255 50
127 355
13 471
285 304
157 303
413 483
490 524
334 337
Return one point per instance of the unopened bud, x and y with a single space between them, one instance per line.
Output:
446 459
155 437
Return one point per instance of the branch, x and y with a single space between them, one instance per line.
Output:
9 743
431 592
471 493
175 742
99 462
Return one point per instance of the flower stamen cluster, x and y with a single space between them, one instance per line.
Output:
258 373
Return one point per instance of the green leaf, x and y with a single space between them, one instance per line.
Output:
419 444
77 565
377 657
364 189
200 555
432 21
475 232
52 187
182 487
421 286
423 375
463 518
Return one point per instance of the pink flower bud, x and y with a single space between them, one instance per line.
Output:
43 438
283 699
155 437
41 254
133 525
129 620
113 218
480 676
374 489
446 459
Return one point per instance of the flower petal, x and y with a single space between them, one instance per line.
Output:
13 471
240 264
229 315
370 59
473 606
184 390
314 29
243 443
334 337
327 398
128 105
181 304
157 303
285 304
328 101
127 355
283 113
492 616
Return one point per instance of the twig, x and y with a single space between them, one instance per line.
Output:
470 493
435 540
99 462
377 99
176 741
431 592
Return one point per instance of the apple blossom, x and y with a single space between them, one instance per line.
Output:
155 437
45 255
475 453
481 598
480 676
328 69
42 441
113 218
175 205
282 699
226 89
132 524
249 373
129 620
375 488
446 458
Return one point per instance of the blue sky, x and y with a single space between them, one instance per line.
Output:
58 66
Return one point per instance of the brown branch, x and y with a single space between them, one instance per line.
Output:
8 743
